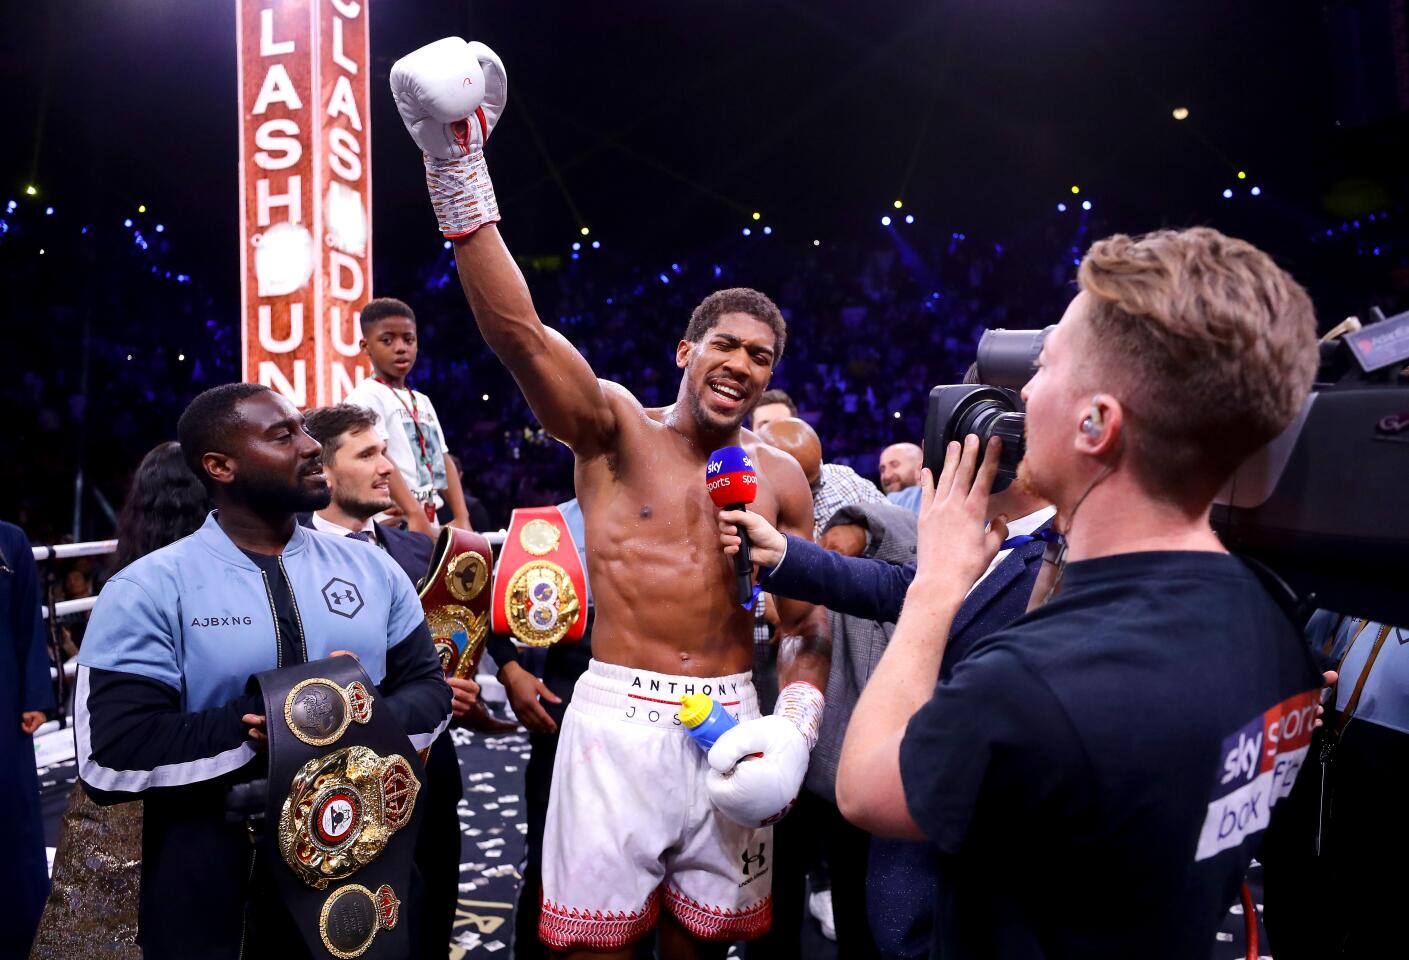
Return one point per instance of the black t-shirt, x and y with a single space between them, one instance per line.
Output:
1098 775
292 649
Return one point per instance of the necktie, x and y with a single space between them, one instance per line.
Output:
364 535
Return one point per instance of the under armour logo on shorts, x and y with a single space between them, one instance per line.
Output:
749 861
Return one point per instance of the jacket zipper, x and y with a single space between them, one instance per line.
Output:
245 920
302 640
278 637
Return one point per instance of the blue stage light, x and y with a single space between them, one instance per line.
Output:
1227 193
747 231
161 229
767 231
596 244
885 221
1061 208
447 244
1086 204
1257 192
127 223
909 218
48 211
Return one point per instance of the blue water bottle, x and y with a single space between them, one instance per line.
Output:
704 719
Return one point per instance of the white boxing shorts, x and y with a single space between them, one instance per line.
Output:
630 825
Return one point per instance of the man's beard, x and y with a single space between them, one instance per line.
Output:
706 418
1033 485
363 509
274 495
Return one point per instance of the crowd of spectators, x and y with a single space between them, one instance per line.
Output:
113 339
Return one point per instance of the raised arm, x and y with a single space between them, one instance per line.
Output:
450 94
560 387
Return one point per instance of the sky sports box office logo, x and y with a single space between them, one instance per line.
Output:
1258 766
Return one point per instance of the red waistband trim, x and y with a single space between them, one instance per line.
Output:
676 703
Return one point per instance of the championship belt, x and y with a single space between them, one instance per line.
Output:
455 598
343 782
540 591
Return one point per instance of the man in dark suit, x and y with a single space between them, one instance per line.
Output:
26 698
901 876
358 472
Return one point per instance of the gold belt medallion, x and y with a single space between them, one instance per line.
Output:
352 915
541 602
458 632
318 711
341 810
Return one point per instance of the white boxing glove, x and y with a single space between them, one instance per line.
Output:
450 94
758 765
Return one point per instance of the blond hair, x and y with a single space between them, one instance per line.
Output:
1209 346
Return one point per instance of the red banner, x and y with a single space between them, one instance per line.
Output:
305 194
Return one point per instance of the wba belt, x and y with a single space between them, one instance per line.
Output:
540 592
343 782
456 601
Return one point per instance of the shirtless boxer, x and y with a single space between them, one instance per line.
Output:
637 819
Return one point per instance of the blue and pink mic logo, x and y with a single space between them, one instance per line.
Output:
730 477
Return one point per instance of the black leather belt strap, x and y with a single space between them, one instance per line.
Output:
343 809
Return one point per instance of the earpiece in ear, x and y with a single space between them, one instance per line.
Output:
1091 426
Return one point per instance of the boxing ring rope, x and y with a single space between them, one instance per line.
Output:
67 551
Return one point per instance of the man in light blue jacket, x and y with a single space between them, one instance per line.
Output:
161 702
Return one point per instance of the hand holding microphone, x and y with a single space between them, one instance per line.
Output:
732 482
766 544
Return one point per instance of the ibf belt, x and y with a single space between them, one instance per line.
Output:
343 785
455 597
540 592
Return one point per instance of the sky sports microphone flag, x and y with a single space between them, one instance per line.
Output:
733 483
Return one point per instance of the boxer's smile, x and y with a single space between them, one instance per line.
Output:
728 392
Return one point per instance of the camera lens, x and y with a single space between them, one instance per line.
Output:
987 419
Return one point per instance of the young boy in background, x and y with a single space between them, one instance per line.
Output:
425 479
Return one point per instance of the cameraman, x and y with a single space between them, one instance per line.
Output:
1095 777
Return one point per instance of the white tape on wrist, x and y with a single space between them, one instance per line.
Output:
802 703
461 193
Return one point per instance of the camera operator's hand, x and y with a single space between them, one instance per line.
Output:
956 543
766 545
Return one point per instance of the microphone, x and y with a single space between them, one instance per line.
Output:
733 483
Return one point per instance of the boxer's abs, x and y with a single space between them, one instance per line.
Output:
667 607
663 589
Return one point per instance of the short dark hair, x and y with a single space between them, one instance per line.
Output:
383 307
328 425
777 396
208 421
738 300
